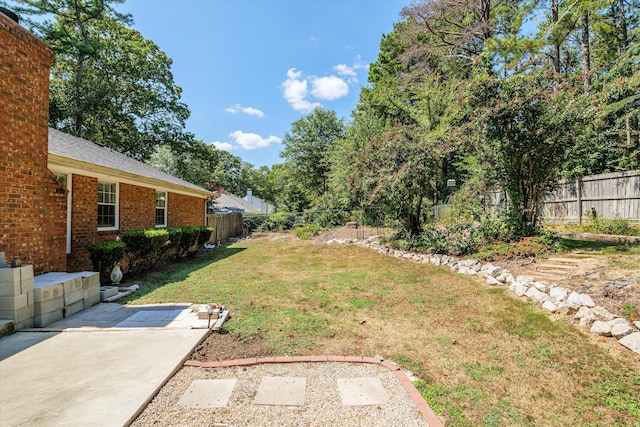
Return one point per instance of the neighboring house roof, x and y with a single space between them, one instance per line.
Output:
93 159
231 203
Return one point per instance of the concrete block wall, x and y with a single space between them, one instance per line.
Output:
17 296
59 295
32 202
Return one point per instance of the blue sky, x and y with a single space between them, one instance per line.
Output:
250 68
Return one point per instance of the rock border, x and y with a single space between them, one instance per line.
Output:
551 297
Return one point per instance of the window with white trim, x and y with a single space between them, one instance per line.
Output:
107 205
161 209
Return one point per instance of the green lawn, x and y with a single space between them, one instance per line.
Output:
484 357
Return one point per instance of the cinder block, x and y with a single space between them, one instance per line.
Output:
49 305
27 285
26 272
10 289
73 291
90 279
46 291
42 320
31 298
18 315
92 295
107 292
13 303
73 308
9 275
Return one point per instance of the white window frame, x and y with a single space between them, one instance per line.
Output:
117 206
165 207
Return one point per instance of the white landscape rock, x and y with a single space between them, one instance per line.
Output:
533 292
493 281
601 328
586 316
519 289
622 329
581 299
632 342
558 294
549 306
567 308
541 286
603 313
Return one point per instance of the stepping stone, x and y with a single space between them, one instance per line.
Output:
286 391
362 391
206 394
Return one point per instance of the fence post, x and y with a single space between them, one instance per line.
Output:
579 200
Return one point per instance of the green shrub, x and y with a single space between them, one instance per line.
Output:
251 223
328 217
307 231
189 241
104 256
169 249
612 226
279 221
203 237
143 247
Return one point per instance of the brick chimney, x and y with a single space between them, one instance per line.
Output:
32 203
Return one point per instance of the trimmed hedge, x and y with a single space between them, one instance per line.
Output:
189 241
104 256
204 236
170 249
143 247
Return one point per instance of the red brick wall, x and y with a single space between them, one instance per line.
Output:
32 203
184 210
84 221
137 207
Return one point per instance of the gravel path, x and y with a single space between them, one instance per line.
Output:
323 406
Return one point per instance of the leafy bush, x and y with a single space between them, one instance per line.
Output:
143 247
251 223
169 249
328 217
279 221
307 231
189 241
104 256
612 226
203 237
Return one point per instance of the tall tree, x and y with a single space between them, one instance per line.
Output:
108 83
307 150
527 124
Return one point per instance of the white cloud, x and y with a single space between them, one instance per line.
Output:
345 70
329 88
296 91
247 110
224 146
251 141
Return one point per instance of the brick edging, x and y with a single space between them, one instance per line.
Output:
427 413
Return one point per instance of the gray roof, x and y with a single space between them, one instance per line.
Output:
231 203
72 147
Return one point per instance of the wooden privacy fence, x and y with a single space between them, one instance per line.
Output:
225 225
613 195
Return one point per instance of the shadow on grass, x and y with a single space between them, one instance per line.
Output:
177 272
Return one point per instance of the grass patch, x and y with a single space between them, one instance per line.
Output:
484 357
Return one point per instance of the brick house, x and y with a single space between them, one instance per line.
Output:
58 193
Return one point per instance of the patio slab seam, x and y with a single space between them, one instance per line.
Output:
425 410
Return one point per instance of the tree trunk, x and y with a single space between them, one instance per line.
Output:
556 45
585 53
623 25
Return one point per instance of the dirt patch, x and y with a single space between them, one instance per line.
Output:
600 276
220 347
351 233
